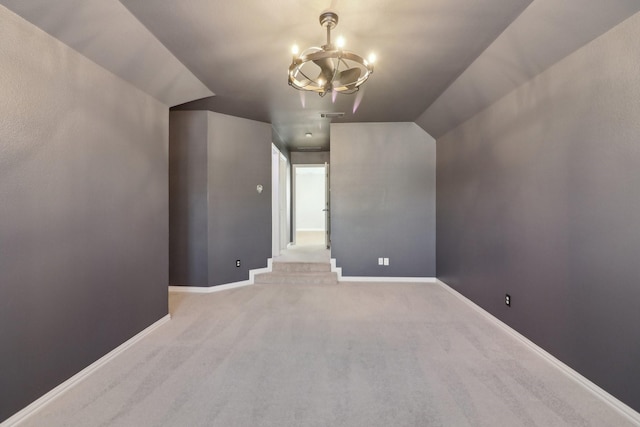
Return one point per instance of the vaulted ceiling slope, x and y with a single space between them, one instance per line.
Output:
546 32
439 61
108 34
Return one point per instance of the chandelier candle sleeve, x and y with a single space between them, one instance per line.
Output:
329 68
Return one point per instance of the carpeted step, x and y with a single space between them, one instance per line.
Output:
301 267
299 278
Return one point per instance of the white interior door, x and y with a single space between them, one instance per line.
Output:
310 204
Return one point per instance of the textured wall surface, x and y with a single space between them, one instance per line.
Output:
538 197
544 33
83 212
188 198
217 216
108 34
239 218
383 199
309 157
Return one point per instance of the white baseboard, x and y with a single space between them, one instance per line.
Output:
373 279
47 398
613 402
226 286
341 278
336 269
267 269
209 289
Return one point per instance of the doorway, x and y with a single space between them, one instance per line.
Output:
311 205
279 201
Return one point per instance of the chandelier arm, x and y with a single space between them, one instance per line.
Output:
297 83
306 52
307 77
335 71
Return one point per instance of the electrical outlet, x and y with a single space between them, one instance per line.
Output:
237 263
507 300
380 261
386 261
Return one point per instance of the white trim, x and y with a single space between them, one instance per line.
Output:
226 286
341 278
336 269
209 289
388 279
613 402
275 200
267 269
47 398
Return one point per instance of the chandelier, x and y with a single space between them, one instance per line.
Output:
329 68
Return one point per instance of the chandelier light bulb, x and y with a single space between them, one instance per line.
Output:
340 42
295 50
372 58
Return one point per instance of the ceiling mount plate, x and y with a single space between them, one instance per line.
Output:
329 19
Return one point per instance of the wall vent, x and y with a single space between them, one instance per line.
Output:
331 115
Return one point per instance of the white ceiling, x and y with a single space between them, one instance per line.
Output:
439 61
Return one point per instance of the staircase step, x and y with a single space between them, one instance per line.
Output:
301 267
301 278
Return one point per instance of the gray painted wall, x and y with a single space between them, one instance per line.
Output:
217 216
83 212
188 198
538 197
383 199
239 218
309 157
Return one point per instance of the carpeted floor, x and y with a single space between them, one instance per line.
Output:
308 237
304 253
334 355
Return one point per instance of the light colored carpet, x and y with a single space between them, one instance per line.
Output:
310 237
308 253
298 273
334 355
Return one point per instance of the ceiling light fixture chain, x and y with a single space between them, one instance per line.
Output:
341 71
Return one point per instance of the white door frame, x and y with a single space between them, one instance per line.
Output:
275 201
284 203
293 195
